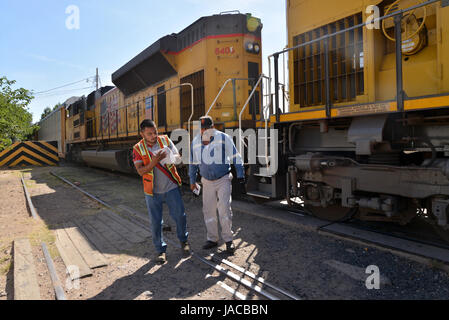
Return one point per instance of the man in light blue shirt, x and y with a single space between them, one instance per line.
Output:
212 155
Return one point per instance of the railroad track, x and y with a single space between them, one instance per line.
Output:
381 229
388 236
400 232
25 280
237 274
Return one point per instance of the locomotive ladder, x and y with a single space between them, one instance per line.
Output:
265 166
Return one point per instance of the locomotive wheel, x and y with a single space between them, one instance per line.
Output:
333 213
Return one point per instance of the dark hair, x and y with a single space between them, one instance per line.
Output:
147 124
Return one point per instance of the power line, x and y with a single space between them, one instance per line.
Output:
52 94
66 85
63 92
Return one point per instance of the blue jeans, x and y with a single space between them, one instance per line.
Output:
175 205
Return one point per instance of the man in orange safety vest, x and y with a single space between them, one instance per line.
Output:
161 183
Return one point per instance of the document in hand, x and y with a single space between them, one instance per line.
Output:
170 158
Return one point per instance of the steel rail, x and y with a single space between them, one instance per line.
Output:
356 225
226 272
253 276
59 291
82 191
237 278
398 235
30 203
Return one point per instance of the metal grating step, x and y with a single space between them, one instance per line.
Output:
259 194
262 175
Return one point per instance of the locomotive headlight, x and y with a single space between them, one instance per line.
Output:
249 47
256 48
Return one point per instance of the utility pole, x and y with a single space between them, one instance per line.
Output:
96 79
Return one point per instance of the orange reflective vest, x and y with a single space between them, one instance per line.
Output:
148 178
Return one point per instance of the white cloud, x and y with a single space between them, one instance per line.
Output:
55 61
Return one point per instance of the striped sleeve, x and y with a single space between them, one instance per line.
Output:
137 158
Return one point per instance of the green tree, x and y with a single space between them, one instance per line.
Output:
15 120
46 112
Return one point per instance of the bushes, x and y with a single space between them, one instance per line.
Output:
15 120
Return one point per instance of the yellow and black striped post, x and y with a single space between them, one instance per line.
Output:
30 153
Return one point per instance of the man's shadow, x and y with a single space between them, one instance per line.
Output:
156 282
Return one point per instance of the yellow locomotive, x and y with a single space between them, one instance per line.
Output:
162 82
366 131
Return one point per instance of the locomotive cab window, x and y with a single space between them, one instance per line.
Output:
197 80
253 74
161 107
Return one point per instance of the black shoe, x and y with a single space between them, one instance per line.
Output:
185 246
162 258
230 248
210 245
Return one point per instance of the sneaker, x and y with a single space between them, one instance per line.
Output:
185 247
230 247
210 245
162 258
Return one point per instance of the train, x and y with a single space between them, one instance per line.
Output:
160 84
366 133
352 113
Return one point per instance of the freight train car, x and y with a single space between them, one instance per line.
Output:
53 126
366 133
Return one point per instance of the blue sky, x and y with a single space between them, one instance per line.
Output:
40 53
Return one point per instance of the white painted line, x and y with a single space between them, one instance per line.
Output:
232 291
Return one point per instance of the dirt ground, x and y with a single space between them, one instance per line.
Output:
16 223
289 257
57 203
